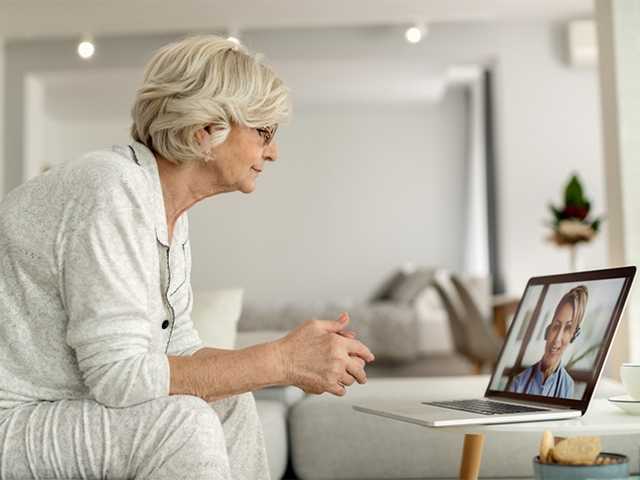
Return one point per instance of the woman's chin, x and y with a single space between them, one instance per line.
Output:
248 186
552 359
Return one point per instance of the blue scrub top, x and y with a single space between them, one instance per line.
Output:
531 381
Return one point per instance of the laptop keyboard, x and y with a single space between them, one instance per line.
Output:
484 407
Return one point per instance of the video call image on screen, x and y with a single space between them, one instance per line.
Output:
556 338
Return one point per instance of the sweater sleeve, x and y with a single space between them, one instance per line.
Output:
106 260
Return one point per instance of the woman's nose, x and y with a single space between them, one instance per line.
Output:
271 152
557 339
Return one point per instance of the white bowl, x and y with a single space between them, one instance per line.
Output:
630 375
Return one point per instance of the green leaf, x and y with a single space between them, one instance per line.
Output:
557 212
573 194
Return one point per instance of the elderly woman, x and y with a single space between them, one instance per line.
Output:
101 371
548 377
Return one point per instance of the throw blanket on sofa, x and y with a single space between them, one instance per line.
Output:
389 330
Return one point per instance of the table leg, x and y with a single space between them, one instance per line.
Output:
471 456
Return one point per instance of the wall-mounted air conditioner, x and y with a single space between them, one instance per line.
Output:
583 43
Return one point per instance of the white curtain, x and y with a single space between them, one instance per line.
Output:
476 244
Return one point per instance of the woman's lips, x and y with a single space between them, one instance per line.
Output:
256 170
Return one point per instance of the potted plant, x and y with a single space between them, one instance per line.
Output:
571 224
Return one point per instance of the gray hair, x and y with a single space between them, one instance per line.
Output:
200 81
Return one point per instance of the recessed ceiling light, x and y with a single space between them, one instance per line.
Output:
233 34
415 33
86 49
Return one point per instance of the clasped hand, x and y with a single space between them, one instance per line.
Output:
322 356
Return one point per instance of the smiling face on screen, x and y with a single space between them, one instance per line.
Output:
559 334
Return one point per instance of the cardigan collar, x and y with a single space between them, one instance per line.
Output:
145 158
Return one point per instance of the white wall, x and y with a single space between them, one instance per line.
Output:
2 128
357 191
35 120
547 121
66 140
547 125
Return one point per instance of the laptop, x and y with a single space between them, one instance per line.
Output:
550 362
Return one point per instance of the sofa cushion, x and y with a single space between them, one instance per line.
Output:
287 395
413 284
215 316
434 332
331 440
391 331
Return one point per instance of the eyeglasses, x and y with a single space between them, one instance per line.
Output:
267 133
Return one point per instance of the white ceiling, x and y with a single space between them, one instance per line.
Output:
38 18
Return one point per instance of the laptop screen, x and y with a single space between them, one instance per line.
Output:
560 337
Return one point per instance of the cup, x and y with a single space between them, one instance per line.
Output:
630 375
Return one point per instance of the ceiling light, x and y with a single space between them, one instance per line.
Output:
86 49
234 35
415 33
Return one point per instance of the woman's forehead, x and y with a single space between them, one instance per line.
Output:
564 313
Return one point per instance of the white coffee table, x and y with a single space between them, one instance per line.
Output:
602 418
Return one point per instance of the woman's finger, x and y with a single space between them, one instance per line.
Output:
336 326
360 361
348 334
360 349
338 389
347 380
356 370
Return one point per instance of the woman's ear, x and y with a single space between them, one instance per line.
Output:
202 136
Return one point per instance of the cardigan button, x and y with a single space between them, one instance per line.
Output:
165 324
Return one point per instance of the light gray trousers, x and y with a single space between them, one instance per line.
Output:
169 438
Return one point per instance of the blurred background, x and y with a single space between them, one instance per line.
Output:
425 133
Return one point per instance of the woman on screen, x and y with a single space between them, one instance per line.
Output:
548 377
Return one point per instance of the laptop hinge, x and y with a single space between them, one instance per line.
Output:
530 403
